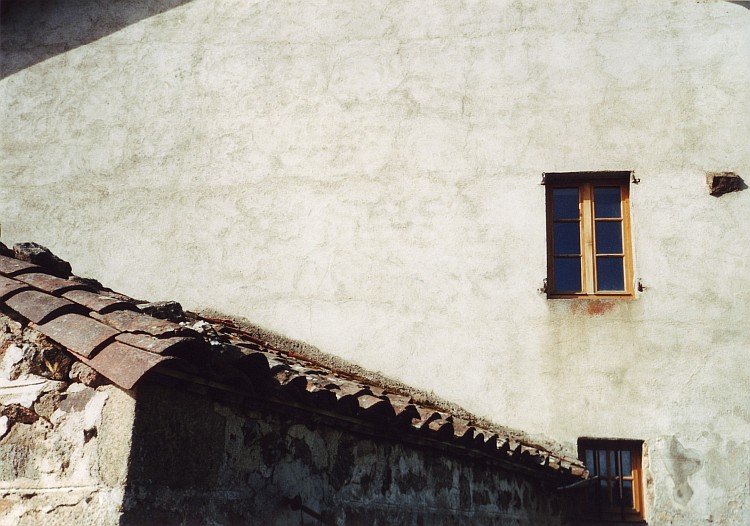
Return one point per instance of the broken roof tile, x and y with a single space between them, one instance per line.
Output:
51 284
149 343
129 321
13 267
100 303
39 307
123 364
78 333
9 286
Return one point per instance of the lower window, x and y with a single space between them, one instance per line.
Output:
616 491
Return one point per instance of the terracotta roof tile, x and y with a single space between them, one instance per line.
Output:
13 267
39 307
442 427
324 399
9 286
78 333
462 431
108 333
51 284
100 303
347 404
254 365
128 321
375 408
404 411
426 415
123 364
149 343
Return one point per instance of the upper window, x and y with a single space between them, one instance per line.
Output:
588 234
616 491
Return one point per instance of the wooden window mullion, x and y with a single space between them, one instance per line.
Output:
587 239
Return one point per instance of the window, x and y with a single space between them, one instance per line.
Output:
588 234
616 491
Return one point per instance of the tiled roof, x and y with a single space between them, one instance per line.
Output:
110 333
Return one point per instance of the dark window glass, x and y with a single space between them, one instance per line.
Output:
567 238
603 463
626 468
626 498
568 274
590 461
609 274
614 495
608 237
607 201
565 203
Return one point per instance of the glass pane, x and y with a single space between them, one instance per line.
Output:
627 470
590 462
610 274
608 237
568 274
567 238
565 203
603 463
614 465
607 201
627 494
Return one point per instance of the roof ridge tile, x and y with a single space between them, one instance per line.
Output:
78 333
40 307
11 266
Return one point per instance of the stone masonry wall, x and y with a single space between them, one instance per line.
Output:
64 437
196 461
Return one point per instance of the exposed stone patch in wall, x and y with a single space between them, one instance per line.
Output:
681 465
53 430
691 470
249 465
720 183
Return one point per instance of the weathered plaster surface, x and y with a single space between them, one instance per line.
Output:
364 176
64 446
196 461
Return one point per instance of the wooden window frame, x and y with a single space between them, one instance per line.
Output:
600 509
585 182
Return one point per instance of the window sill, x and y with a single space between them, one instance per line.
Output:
599 296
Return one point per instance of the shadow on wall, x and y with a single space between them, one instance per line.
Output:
32 31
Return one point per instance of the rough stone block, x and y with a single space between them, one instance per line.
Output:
720 183
42 256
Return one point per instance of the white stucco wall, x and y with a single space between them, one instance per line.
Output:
365 177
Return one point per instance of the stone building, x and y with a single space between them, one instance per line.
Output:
517 206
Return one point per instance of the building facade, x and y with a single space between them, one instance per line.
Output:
367 177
